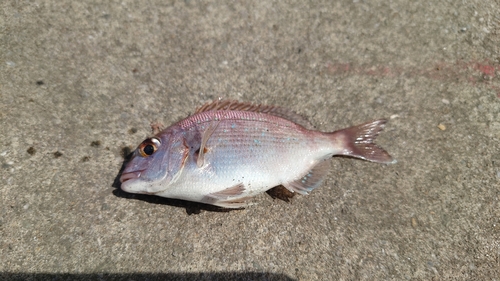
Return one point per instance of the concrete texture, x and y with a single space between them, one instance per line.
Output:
81 82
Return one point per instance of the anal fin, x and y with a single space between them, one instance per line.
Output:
312 179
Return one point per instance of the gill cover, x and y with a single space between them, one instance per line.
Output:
156 163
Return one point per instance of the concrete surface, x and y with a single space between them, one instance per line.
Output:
81 82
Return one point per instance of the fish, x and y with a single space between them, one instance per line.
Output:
227 152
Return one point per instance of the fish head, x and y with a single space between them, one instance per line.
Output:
153 165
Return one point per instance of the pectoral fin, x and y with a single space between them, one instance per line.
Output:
205 136
204 139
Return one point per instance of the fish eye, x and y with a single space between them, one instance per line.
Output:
149 146
148 149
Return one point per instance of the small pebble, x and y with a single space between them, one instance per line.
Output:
95 143
31 150
442 127
445 101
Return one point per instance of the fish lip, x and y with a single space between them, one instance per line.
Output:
130 176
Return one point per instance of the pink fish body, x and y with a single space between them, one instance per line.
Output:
228 152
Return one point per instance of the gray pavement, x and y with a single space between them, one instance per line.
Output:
81 82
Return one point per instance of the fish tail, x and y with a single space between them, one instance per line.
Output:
359 142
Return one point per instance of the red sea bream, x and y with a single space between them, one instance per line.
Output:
227 152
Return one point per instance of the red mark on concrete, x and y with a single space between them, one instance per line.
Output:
459 72
488 70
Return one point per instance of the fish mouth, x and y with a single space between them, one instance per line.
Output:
130 176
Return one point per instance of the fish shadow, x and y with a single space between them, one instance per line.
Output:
198 276
192 208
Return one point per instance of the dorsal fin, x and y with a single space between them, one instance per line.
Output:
227 104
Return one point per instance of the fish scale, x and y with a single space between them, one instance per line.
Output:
228 152
247 132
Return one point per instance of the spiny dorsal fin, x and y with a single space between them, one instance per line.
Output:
226 104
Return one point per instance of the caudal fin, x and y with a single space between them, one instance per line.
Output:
359 142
